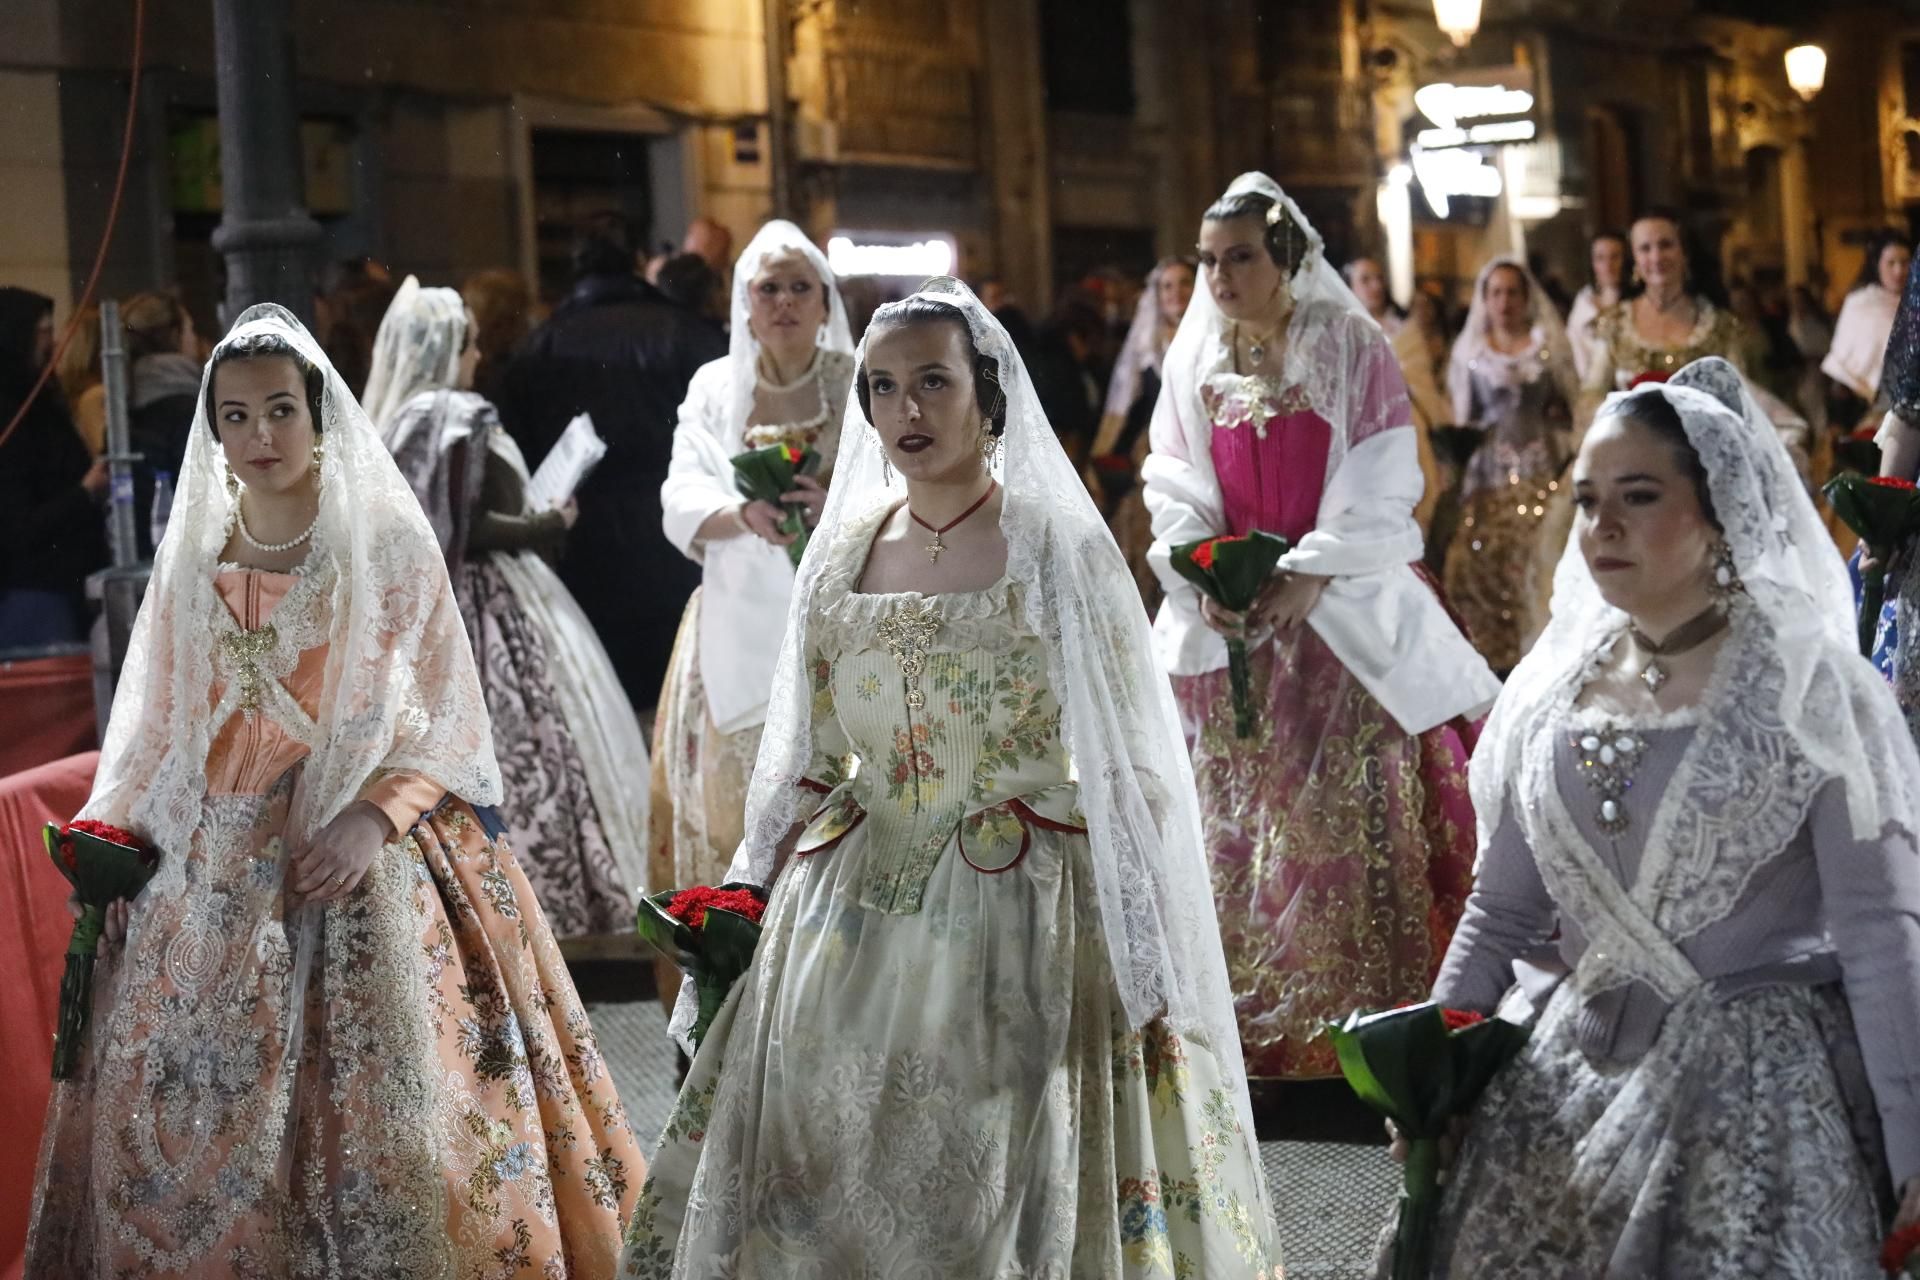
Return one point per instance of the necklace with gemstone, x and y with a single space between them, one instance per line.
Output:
935 547
1690 634
1256 346
240 521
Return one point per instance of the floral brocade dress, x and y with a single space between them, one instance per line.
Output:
927 1072
1342 846
408 1086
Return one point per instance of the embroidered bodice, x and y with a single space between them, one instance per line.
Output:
269 664
1269 451
813 409
934 726
270 646
1715 333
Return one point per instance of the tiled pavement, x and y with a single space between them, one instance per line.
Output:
1330 1196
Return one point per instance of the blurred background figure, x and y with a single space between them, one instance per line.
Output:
712 241
52 534
163 385
1063 359
576 795
1511 378
1369 284
79 375
1122 442
690 281
1607 272
1859 346
617 349
1811 329
502 307
1421 348
353 297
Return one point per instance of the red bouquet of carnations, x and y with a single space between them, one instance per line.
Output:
1885 512
1422 1067
764 475
103 864
1900 1255
1232 572
710 932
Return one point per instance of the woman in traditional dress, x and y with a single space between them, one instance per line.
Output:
1422 349
1511 377
1860 333
1697 812
1667 319
333 1035
987 1032
1607 263
1122 442
576 761
1899 441
783 380
1339 835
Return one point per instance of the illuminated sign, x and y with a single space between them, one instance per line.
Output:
1492 108
915 259
1452 172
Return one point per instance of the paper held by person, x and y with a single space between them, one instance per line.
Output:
572 457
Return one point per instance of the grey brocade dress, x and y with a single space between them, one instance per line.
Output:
1746 1129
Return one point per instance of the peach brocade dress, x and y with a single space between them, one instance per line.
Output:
407 1086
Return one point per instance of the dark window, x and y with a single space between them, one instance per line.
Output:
1086 47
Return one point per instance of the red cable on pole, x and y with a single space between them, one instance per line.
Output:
106 237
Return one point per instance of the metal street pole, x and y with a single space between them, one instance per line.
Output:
779 131
120 587
265 232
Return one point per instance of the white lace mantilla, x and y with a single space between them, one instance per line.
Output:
1741 793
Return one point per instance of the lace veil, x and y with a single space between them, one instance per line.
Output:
417 349
1543 318
1791 705
775 239
1120 724
401 691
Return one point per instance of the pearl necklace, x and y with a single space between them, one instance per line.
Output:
240 522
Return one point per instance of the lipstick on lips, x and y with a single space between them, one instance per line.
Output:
914 443
1610 564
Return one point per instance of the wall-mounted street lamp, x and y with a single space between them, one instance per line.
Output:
1806 68
1458 18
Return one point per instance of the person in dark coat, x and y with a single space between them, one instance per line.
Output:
163 391
52 532
616 348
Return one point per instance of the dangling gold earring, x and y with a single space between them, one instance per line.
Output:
886 469
319 455
233 483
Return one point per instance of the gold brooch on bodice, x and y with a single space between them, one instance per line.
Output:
908 632
246 650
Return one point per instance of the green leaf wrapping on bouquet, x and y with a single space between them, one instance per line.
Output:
763 475
1411 1068
1231 571
715 954
1885 513
101 871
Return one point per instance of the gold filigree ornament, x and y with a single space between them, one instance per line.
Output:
908 632
246 650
